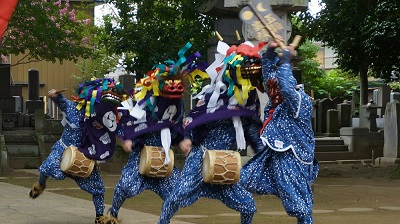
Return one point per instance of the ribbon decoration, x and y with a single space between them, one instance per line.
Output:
215 67
220 88
181 55
194 69
153 82
166 144
232 73
135 111
90 92
240 139
264 22
147 85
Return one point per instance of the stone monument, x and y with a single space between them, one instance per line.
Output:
228 21
391 147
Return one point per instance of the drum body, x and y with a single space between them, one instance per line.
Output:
152 162
221 167
75 163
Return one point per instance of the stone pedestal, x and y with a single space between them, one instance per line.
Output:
10 104
33 105
357 139
4 167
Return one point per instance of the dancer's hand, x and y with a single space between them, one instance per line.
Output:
274 43
52 93
127 145
292 50
186 145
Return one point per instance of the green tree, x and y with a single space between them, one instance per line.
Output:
364 33
149 32
310 68
47 30
101 62
336 83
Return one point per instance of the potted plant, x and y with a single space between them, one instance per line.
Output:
394 86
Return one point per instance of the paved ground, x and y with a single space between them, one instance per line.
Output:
16 207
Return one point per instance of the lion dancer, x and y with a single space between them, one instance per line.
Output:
287 167
154 121
90 125
226 117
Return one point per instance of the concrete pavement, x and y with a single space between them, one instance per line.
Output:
16 207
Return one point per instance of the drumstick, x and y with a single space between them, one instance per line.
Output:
61 90
237 35
296 41
219 36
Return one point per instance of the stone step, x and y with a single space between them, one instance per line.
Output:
331 148
328 141
20 136
333 156
24 162
111 167
22 150
23 156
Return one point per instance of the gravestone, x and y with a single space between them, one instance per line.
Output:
394 96
382 98
33 103
344 114
314 117
391 147
7 103
127 81
5 80
332 128
323 106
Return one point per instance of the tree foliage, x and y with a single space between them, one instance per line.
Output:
336 83
331 84
47 30
310 68
100 63
364 33
149 32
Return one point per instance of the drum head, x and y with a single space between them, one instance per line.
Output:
145 160
221 167
208 167
152 160
67 158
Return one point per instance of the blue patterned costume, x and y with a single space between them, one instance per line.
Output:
72 135
213 135
226 117
287 167
90 125
131 182
155 120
